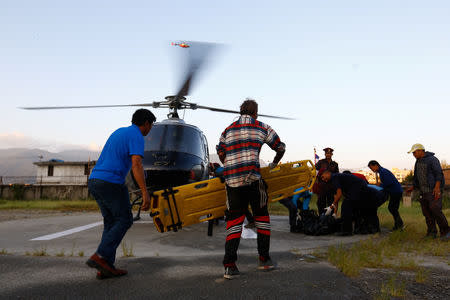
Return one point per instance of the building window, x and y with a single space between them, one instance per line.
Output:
50 171
86 169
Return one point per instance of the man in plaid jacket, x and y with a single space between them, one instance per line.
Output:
238 149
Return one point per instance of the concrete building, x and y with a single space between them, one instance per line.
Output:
447 176
58 172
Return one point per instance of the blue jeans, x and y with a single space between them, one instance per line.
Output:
114 203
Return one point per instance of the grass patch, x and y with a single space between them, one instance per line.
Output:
50 205
80 253
422 275
4 251
392 288
398 250
60 253
40 252
127 250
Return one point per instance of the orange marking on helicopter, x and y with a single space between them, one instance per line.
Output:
182 45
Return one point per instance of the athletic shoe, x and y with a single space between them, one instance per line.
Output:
398 227
446 237
231 272
265 265
431 235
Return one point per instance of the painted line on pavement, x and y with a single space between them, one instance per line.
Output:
67 232
75 230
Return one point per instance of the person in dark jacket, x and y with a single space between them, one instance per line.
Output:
326 191
391 185
429 180
354 191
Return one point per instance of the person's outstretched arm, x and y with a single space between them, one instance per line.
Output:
138 172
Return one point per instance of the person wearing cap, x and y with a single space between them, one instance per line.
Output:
391 185
325 190
429 180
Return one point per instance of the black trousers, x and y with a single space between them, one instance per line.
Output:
352 206
394 204
238 199
287 202
325 199
347 211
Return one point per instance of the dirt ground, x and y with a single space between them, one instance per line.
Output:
436 285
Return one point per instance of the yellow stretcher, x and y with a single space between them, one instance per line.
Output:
201 201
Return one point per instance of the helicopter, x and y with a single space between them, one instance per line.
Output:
176 153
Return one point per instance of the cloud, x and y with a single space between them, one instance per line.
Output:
19 140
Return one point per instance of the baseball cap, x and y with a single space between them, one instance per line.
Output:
416 147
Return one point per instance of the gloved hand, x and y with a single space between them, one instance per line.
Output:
272 165
328 210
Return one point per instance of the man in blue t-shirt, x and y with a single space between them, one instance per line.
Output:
123 150
393 187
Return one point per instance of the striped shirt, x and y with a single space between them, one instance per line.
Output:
241 143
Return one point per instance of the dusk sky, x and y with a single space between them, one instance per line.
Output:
367 78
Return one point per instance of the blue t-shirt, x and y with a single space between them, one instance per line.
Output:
115 160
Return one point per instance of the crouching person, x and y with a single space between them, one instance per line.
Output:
239 149
123 150
353 189
294 204
374 197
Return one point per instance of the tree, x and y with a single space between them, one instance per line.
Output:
409 178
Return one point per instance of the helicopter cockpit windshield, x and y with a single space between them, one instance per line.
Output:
177 138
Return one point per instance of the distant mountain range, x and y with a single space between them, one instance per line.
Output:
19 161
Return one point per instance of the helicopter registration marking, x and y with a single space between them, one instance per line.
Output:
75 230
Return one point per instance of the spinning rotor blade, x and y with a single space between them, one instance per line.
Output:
85 106
237 112
198 53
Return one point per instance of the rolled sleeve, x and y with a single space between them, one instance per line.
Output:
220 148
